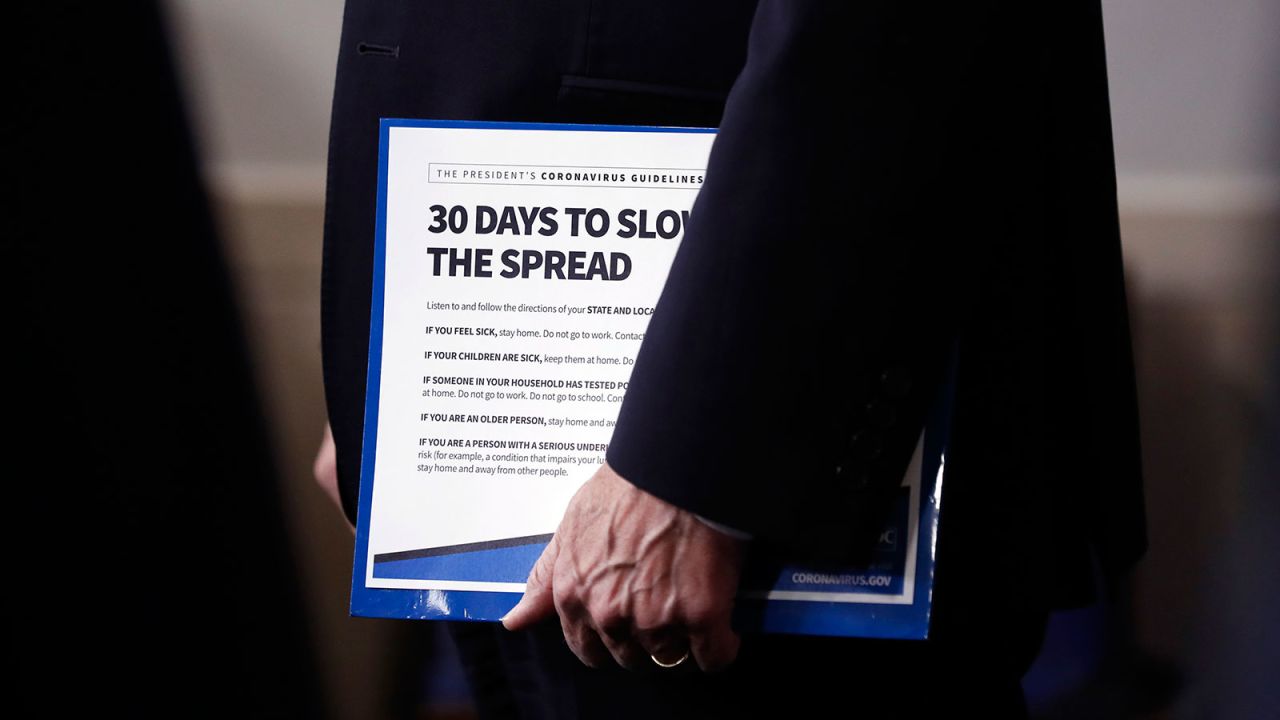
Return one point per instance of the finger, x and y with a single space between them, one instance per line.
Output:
611 616
538 601
714 645
666 644
623 647
581 638
325 467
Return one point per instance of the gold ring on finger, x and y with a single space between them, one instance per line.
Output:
662 664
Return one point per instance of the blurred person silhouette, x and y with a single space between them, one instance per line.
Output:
152 570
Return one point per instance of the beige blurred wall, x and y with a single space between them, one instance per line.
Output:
1196 105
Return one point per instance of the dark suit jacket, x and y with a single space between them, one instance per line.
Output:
890 182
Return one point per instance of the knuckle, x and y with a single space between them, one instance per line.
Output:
647 621
566 599
612 625
609 616
702 613
321 469
561 569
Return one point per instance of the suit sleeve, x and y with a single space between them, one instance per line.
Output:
802 333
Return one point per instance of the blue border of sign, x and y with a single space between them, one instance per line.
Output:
423 604
906 621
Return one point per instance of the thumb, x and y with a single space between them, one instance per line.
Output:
538 601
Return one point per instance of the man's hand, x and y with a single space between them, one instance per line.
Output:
325 470
633 576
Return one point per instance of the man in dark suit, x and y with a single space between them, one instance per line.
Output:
889 185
